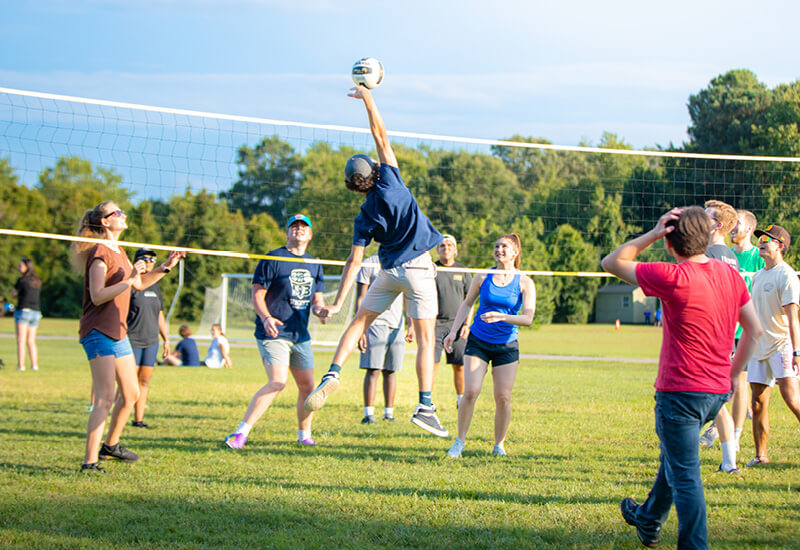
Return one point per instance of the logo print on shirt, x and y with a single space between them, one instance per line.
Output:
302 282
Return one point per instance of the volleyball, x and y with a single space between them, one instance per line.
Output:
368 72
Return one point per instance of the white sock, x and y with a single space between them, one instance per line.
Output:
369 411
302 435
728 455
244 429
388 411
458 400
737 433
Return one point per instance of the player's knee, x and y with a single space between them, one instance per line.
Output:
502 398
276 386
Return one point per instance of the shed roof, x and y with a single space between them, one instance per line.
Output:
617 288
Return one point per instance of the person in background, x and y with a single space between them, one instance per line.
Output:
647 315
219 352
451 289
382 347
145 322
28 313
702 300
185 353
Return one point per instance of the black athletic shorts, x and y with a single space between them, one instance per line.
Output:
494 354
456 357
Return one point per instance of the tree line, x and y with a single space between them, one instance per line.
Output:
569 208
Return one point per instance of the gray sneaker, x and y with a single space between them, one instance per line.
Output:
425 418
498 450
709 436
369 419
117 452
316 399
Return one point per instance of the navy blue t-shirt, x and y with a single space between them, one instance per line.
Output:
189 354
390 216
290 292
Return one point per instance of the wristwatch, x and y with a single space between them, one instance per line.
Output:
796 353
166 269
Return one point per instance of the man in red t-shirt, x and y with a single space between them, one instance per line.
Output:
702 300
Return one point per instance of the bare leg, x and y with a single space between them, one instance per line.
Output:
741 401
474 372
352 334
504 377
724 423
458 379
128 394
425 331
304 378
102 397
389 388
370 386
790 391
34 351
761 394
144 376
277 376
22 336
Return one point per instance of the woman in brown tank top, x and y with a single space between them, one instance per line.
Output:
109 277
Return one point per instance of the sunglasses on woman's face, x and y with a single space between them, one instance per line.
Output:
120 213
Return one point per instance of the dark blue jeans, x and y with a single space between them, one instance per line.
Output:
679 418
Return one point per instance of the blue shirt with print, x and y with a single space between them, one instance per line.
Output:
390 216
290 293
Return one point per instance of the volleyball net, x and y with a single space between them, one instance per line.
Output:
219 182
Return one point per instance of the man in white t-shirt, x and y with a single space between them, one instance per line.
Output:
776 297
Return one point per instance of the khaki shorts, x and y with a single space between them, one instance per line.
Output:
415 279
283 352
766 371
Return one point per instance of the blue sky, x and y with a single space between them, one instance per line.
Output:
565 71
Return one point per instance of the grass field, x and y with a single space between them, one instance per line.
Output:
581 439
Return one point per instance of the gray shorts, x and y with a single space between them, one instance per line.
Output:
456 357
415 279
283 352
385 350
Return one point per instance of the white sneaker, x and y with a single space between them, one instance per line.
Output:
498 450
35 367
20 367
709 436
456 449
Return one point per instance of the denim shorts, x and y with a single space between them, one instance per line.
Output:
29 317
145 357
97 344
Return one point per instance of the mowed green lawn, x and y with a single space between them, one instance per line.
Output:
581 439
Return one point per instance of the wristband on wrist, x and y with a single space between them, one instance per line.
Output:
796 353
166 269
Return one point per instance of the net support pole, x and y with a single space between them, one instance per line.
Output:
177 291
223 312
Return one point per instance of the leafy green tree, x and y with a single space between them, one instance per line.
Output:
269 175
574 296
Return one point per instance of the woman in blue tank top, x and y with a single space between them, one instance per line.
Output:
507 301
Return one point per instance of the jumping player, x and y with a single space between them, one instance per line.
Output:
390 215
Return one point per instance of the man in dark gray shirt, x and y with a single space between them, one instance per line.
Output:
451 288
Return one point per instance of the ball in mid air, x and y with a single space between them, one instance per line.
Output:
368 72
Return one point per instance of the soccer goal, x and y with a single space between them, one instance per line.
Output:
230 305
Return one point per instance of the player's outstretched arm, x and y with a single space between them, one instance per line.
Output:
376 126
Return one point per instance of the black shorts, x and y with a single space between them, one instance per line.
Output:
494 354
456 357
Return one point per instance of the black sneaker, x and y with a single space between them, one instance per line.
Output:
315 400
648 537
117 452
369 419
93 467
425 418
139 424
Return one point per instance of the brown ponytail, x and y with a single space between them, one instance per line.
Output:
514 238
91 226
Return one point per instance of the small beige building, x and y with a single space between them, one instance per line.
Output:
624 302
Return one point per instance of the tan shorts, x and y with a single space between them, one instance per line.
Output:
415 279
766 371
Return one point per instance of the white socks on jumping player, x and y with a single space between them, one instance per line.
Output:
369 411
244 429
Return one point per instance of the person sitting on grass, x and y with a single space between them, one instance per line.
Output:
185 353
507 302
702 300
219 351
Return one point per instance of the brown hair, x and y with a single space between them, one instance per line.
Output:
690 236
360 184
514 238
219 326
30 273
185 331
91 226
724 214
749 218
